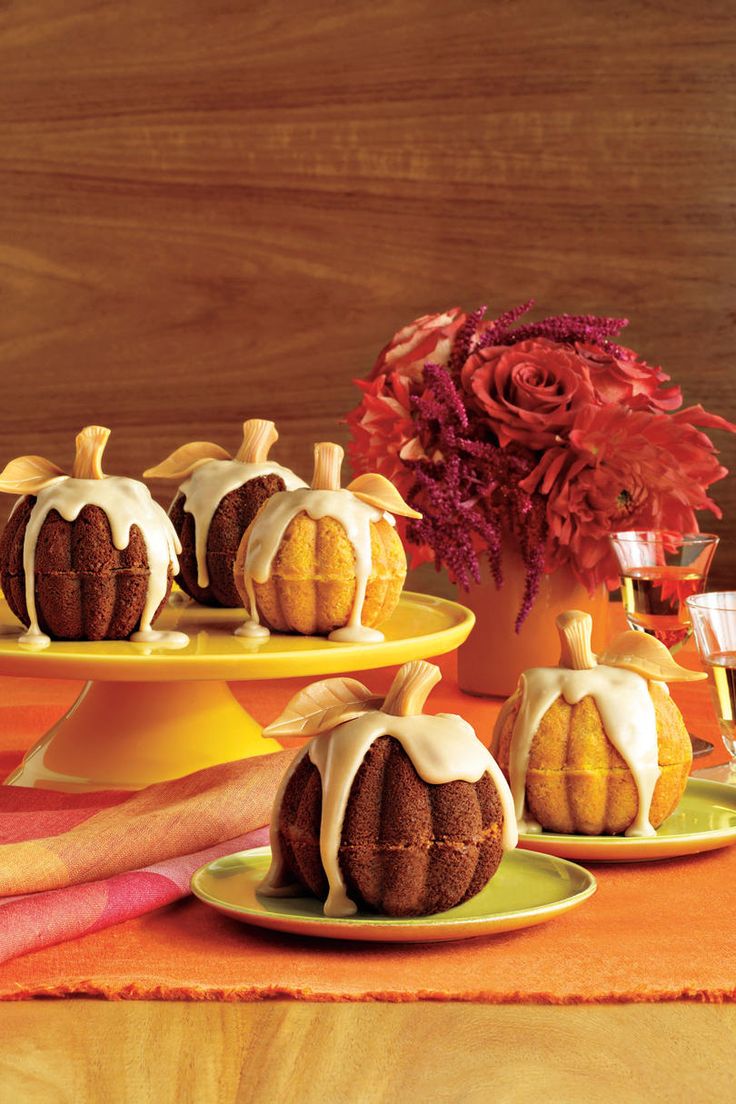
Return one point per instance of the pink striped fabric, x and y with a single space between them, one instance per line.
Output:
71 864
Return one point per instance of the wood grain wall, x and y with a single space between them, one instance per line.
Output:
211 210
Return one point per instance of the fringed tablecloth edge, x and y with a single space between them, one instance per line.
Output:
136 990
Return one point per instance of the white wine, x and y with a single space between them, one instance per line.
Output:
722 666
654 600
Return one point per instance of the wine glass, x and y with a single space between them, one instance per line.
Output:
714 621
660 569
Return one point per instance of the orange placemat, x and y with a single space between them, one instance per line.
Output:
654 931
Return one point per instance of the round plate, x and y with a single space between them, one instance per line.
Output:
704 820
527 889
421 626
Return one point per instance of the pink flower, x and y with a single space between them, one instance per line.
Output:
383 436
381 425
428 338
627 379
530 392
623 469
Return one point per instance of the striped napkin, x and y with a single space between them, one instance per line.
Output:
71 864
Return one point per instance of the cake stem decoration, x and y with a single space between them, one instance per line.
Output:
409 693
258 437
327 467
91 444
576 629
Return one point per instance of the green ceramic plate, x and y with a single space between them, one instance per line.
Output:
527 889
704 820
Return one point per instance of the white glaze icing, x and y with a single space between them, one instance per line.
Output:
206 487
167 639
356 634
268 532
252 630
443 748
33 642
276 883
126 502
627 713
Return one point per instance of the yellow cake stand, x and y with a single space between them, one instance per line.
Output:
147 714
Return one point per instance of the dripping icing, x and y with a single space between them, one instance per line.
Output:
629 721
252 630
269 528
443 748
167 639
126 502
206 487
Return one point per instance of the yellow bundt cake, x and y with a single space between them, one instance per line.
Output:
324 560
596 746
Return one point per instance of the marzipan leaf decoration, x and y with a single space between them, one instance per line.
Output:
29 475
186 459
258 437
322 706
376 490
648 657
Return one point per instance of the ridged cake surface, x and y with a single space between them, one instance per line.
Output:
596 746
387 808
576 780
312 584
230 520
408 847
85 587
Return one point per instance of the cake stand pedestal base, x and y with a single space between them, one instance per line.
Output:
125 735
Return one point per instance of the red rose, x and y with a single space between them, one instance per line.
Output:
628 379
529 391
427 338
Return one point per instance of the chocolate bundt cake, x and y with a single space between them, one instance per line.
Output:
407 848
85 587
390 810
86 557
323 559
231 518
215 504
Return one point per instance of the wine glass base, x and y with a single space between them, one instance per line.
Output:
701 748
724 772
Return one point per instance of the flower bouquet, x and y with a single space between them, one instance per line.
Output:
539 439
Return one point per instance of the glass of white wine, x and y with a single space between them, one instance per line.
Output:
714 623
659 570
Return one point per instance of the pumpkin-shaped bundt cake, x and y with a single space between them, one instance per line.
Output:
596 746
86 556
324 560
386 808
218 497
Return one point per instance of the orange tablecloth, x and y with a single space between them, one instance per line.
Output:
653 931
